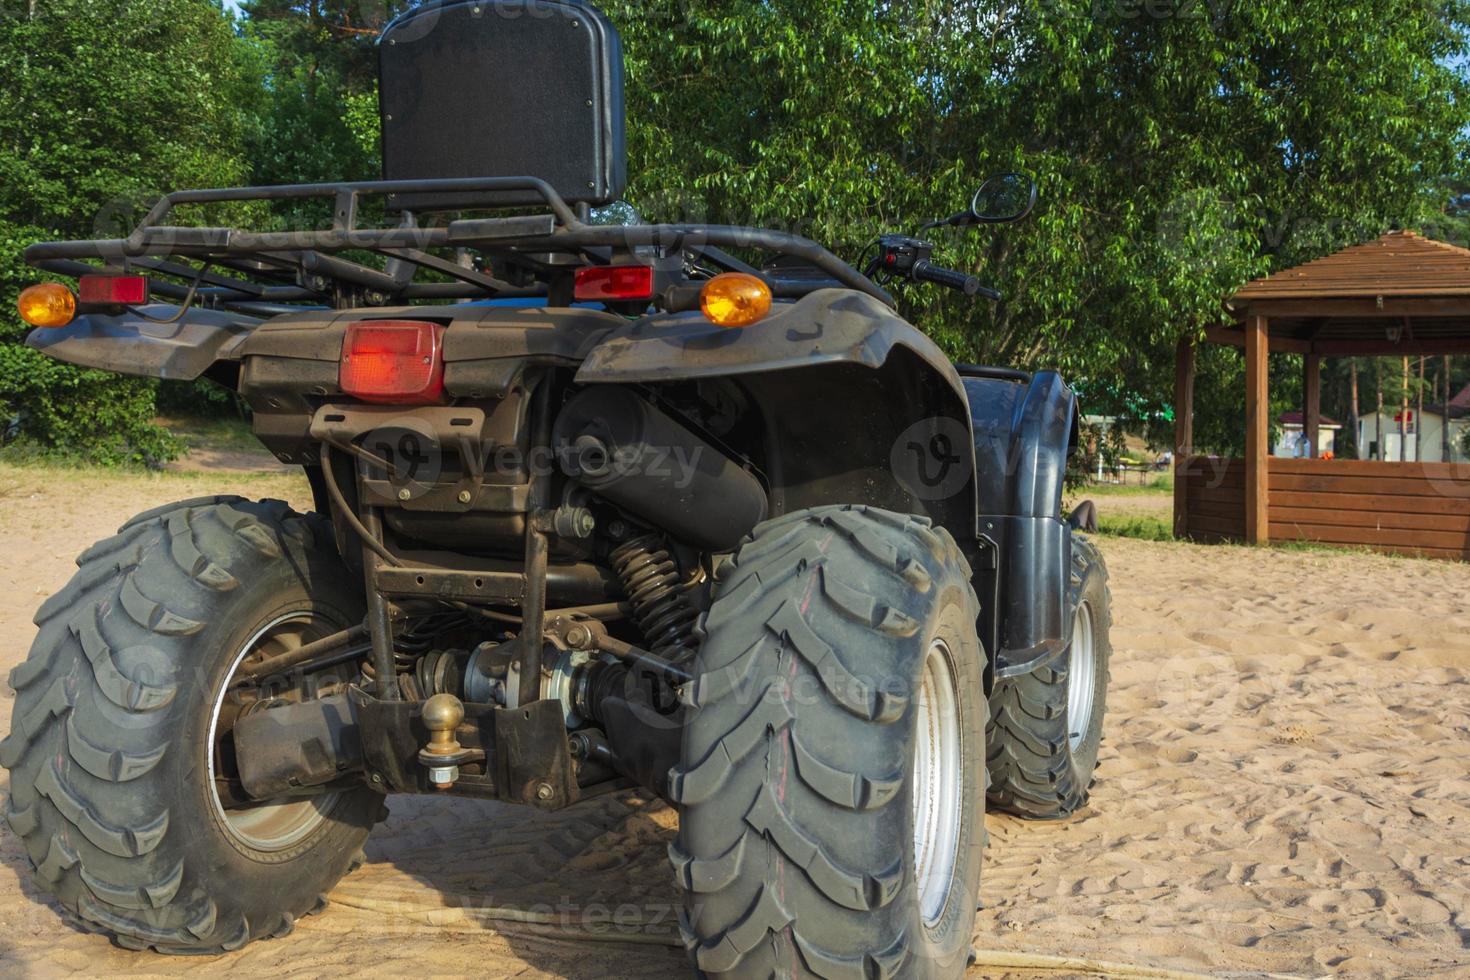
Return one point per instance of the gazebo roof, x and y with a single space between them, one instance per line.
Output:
1400 294
1399 263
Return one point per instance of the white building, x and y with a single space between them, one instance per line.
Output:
1430 440
1292 441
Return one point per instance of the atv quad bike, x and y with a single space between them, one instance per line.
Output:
679 506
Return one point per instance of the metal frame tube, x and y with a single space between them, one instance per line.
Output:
533 607
379 617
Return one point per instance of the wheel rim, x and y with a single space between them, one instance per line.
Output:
1081 677
938 784
269 826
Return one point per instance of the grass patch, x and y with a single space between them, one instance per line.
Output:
1159 483
1319 548
38 468
24 478
199 435
217 434
1144 527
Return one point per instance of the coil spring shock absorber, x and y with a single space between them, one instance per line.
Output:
661 606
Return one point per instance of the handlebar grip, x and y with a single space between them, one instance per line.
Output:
964 282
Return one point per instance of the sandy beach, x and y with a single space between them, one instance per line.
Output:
1284 789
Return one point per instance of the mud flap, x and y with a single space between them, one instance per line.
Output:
1036 562
533 761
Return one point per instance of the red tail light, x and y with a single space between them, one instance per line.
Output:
393 362
603 283
113 290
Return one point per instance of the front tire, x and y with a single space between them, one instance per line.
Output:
831 790
116 773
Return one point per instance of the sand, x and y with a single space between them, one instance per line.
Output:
1283 789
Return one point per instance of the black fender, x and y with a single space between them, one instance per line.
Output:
1025 429
130 344
827 326
854 404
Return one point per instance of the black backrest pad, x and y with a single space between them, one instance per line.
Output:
503 88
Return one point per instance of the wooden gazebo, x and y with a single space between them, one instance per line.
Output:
1400 295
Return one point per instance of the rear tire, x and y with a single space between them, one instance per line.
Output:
838 705
1046 725
110 754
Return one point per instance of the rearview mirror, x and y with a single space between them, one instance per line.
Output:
1003 197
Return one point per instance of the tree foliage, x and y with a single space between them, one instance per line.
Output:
321 70
1181 146
107 104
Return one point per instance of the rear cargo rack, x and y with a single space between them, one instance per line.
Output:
265 270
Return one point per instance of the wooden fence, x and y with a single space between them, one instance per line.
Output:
1215 499
1416 508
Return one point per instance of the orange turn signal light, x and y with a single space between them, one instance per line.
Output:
47 304
735 299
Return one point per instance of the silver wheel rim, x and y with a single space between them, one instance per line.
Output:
938 784
1081 677
269 826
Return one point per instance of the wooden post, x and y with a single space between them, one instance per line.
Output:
1404 416
1257 430
1378 419
1357 419
1312 399
1444 422
1419 417
1183 431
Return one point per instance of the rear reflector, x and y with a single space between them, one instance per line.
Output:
602 283
393 362
113 290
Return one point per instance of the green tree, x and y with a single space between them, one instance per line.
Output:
108 103
1181 148
320 121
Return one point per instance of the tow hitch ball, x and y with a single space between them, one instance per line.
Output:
443 714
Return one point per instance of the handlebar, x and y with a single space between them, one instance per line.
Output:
925 271
900 256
